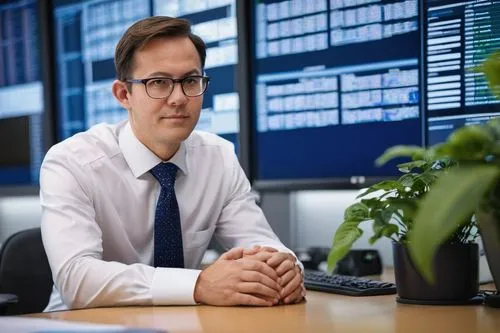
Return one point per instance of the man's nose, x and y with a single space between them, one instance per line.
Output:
177 97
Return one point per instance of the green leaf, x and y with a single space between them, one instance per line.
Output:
383 231
491 69
415 152
452 198
408 179
407 206
383 216
386 185
470 143
408 166
356 212
346 234
493 126
428 178
381 219
373 203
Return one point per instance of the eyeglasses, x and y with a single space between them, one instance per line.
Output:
162 87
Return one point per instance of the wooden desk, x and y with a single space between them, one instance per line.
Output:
321 313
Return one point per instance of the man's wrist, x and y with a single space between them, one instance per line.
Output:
197 290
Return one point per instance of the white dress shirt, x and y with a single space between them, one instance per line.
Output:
98 208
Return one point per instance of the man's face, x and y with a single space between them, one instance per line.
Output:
160 122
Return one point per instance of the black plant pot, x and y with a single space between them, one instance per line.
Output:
489 227
456 271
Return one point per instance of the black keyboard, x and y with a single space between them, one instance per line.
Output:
346 285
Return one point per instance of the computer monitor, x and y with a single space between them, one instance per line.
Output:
458 36
23 114
215 23
336 83
86 35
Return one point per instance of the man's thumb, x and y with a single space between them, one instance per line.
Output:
233 254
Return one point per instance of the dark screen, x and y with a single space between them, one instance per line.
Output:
21 93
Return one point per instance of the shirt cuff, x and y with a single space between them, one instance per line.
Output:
174 286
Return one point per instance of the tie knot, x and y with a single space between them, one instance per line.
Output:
165 174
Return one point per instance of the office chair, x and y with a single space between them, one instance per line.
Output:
25 273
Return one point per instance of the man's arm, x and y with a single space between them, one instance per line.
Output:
243 224
73 241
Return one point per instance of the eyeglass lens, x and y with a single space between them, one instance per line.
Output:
163 87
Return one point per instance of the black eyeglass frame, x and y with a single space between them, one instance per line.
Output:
145 82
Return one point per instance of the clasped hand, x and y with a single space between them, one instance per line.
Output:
260 276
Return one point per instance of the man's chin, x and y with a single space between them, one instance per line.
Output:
176 135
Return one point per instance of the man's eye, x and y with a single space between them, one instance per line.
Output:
190 80
159 82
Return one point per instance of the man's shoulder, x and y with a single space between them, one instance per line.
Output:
100 141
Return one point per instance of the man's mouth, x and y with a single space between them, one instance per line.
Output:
175 116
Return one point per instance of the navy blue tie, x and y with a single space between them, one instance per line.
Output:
168 233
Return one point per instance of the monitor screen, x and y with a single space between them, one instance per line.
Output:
87 32
458 36
21 93
336 83
215 23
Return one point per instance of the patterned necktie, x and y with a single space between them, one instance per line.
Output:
167 230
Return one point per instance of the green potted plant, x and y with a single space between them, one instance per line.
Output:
471 188
391 207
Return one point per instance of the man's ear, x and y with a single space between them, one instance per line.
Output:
121 93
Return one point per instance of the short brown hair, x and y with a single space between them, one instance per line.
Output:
143 31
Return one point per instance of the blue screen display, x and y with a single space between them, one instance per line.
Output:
86 33
21 93
336 83
458 37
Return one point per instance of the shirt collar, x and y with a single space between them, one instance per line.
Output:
140 159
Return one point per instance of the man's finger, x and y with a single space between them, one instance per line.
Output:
285 266
268 249
233 254
267 298
294 297
258 266
260 256
259 289
278 258
246 299
303 292
292 286
251 276
259 249
287 277
251 251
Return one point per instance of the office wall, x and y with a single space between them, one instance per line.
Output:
18 213
309 218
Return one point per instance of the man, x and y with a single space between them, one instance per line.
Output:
129 209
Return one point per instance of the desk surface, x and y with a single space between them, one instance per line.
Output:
320 313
